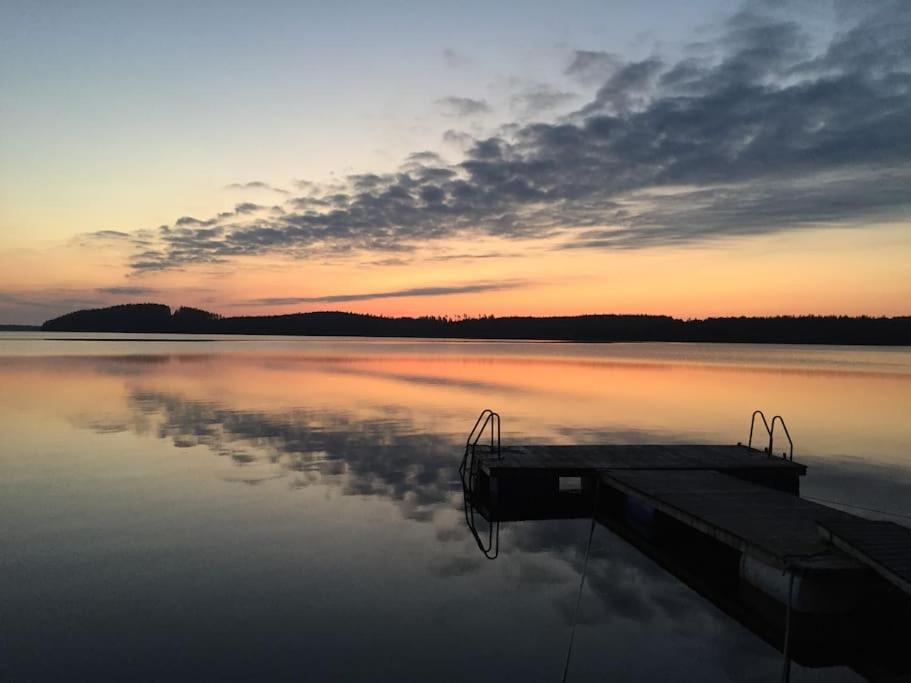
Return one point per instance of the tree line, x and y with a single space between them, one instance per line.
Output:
812 329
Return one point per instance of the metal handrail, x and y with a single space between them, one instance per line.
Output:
753 424
779 418
468 442
486 417
484 413
493 419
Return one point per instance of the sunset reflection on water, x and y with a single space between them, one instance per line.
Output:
246 503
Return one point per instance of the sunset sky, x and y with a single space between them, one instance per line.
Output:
698 158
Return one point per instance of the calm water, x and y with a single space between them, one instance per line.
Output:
255 508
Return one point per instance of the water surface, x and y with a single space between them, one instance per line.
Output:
289 508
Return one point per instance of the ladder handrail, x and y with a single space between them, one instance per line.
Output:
779 418
753 424
486 417
493 419
477 422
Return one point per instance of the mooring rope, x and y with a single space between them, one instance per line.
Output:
588 549
786 650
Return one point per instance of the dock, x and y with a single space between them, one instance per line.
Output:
740 496
728 521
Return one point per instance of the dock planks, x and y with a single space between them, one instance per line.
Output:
633 456
527 462
778 528
883 546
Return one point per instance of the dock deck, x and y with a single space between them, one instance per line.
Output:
885 547
633 457
737 495
777 528
528 462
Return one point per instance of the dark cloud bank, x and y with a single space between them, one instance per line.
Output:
753 132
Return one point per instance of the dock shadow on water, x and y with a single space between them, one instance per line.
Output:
286 511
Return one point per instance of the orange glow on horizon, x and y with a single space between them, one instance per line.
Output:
849 272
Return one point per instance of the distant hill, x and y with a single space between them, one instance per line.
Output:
134 318
603 328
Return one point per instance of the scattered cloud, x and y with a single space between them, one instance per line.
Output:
128 291
458 138
463 107
455 59
762 131
247 207
473 256
540 98
592 66
256 185
443 290
35 306
109 235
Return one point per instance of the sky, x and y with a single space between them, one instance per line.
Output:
412 158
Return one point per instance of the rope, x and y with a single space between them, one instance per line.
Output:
786 666
588 548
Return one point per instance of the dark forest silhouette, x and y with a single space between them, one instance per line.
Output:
779 329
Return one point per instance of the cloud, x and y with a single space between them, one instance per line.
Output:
127 291
444 290
540 98
471 256
36 306
457 138
629 88
455 59
762 131
463 107
247 207
109 235
256 185
592 66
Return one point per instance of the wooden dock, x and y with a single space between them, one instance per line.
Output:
824 585
736 495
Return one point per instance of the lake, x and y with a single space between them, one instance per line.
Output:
290 508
